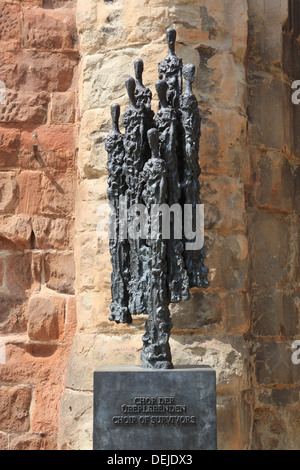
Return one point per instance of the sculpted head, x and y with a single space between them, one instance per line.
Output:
115 114
189 73
139 69
162 88
130 87
171 38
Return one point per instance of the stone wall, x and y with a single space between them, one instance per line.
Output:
209 328
39 58
273 222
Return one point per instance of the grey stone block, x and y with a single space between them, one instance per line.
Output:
146 409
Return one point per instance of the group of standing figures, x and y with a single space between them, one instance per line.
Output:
155 162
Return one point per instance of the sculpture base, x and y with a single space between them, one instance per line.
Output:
147 409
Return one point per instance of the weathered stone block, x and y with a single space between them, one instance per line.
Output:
57 233
63 108
9 145
46 317
8 191
94 263
227 260
202 312
274 179
15 408
49 30
15 231
275 313
278 397
273 363
265 111
1 271
224 353
276 429
60 272
46 159
236 312
38 71
18 273
224 203
91 350
229 423
269 253
29 193
10 26
76 407
13 314
50 138
3 441
297 190
22 107
33 442
58 191
220 80
222 142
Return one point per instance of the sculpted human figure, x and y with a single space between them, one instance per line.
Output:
119 248
191 123
166 123
133 121
143 95
143 98
156 350
170 70
156 163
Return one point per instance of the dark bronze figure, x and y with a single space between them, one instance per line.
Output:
155 167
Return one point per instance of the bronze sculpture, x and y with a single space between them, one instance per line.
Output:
155 164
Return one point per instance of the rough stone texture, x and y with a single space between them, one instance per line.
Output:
14 409
8 187
273 222
45 318
38 43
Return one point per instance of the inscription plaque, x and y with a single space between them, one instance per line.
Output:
143 409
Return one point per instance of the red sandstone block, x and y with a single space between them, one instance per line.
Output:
33 442
63 108
46 316
15 408
50 138
8 191
9 145
60 272
13 314
48 159
38 70
49 29
9 139
1 271
57 233
18 273
10 26
58 193
22 107
29 192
